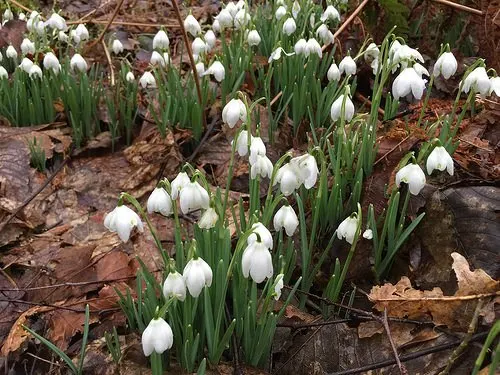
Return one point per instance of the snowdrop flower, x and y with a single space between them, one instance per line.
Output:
21 16
75 37
408 82
347 66
336 108
261 166
495 86
7 15
63 37
122 220
26 64
333 73
371 52
11 52
81 32
330 13
217 70
160 40
50 61
157 337
257 148
368 234
300 46
347 229
295 9
240 4
210 39
307 168
179 183
28 47
420 70
253 38
198 46
174 286
200 69
3 73
77 62
129 77
35 71
404 54
197 274
413 175
158 59
446 65
280 12
265 236
242 143
208 219
439 159
56 22
289 26
223 19
34 18
313 47
278 285
286 218
275 55
241 19
117 47
39 27
233 111
478 81
257 262
147 80
232 8
288 178
192 197
324 34
192 26
159 201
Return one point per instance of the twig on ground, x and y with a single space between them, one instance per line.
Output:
110 63
465 342
460 7
125 23
101 36
385 323
19 5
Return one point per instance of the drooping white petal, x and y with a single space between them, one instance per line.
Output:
174 286
412 175
439 159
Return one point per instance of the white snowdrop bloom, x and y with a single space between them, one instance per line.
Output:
241 19
275 55
157 337
174 286
280 12
368 234
330 13
253 38
117 47
21 16
233 111
63 37
50 61
208 219
478 81
413 175
77 62
193 197
11 52
210 39
300 46
286 218
82 32
199 47
295 9
147 80
224 19
3 73
446 65
324 34
242 143
336 108
265 236
307 169
372 52
408 82
158 59
347 229
240 4
333 73
160 40
7 15
257 148
347 66
217 70
159 201
257 262
56 22
122 220
313 47
439 159
232 8
495 86
420 69
178 183
192 26
261 166
404 54
288 178
28 47
278 285
200 69
75 37
35 71
197 274
289 26
280 2
26 64
39 27
129 77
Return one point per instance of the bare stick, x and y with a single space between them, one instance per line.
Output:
98 40
402 369
19 5
125 23
110 62
460 7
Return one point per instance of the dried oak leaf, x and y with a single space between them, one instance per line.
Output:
402 300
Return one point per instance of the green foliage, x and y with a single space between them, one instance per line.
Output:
37 155
395 13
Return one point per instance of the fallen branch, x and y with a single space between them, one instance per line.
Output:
460 7
402 369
